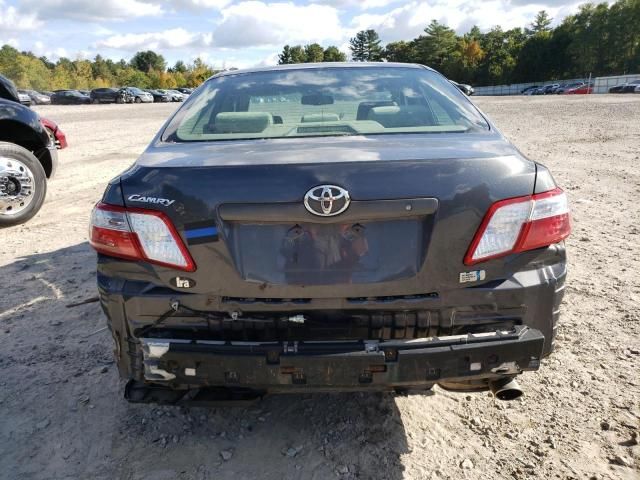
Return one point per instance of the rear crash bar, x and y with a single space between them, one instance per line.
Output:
290 366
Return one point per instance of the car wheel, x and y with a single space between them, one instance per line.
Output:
138 100
95 101
23 184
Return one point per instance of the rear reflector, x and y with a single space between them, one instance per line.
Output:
520 224
138 234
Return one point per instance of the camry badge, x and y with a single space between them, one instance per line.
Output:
327 200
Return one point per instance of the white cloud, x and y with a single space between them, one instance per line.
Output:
410 20
167 39
255 23
197 4
11 20
361 4
12 42
92 10
101 31
40 49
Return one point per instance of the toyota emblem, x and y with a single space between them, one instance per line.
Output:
327 200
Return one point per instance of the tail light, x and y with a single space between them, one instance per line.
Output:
520 224
138 234
59 138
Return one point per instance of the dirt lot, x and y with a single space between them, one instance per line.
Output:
62 414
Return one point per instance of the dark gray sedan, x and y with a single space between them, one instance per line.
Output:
338 227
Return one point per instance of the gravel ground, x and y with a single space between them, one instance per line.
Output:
62 414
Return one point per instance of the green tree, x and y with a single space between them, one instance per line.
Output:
437 46
179 67
148 60
400 51
132 77
313 53
542 23
82 75
101 70
297 54
62 76
333 54
365 46
285 58
197 73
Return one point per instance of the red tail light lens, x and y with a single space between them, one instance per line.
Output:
59 137
520 224
138 234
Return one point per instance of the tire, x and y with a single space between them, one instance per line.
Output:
138 100
15 160
95 101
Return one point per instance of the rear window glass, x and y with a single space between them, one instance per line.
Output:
328 101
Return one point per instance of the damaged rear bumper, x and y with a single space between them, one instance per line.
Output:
274 367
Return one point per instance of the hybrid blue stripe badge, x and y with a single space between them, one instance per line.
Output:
201 232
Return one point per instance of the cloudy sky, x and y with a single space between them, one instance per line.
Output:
239 33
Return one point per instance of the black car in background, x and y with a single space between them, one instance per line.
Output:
69 97
358 226
158 96
28 157
529 90
627 87
186 91
104 95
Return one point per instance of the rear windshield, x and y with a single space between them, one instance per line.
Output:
324 102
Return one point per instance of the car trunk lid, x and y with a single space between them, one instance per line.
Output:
417 201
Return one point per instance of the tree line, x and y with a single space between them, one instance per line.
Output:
146 69
599 40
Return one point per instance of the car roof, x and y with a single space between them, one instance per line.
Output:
313 66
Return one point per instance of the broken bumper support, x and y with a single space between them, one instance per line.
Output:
291 366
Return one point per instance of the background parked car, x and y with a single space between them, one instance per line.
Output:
175 95
529 90
37 98
627 87
548 89
630 87
69 97
28 157
24 99
104 95
568 86
186 91
464 88
159 96
581 90
178 96
139 96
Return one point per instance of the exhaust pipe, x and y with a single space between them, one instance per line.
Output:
505 389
